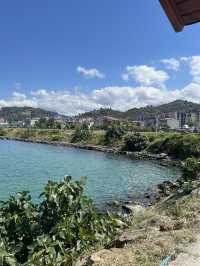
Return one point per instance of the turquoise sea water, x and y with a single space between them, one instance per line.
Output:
27 166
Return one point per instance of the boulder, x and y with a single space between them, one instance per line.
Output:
170 225
133 209
124 239
196 193
163 155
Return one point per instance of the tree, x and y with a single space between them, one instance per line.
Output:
81 133
57 230
136 142
113 133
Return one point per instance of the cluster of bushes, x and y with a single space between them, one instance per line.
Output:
54 232
114 133
44 123
136 142
2 132
56 138
192 168
26 133
180 146
82 133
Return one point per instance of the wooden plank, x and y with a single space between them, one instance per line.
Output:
188 6
177 2
171 10
191 18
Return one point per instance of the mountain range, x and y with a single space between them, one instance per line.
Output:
12 114
134 113
22 113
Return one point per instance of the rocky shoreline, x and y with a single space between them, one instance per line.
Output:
163 158
149 198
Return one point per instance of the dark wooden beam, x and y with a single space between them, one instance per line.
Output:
171 11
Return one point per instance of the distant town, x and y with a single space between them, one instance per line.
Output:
184 116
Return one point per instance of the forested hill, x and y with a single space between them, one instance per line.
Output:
176 106
103 112
22 113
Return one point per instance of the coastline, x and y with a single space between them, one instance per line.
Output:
141 218
148 198
163 158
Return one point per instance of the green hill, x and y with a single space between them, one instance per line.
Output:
103 112
12 114
176 106
21 113
135 113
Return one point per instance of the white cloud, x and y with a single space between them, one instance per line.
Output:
145 75
119 98
18 99
150 91
90 73
171 63
185 58
195 68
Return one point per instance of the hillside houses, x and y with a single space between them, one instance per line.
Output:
178 115
172 120
3 122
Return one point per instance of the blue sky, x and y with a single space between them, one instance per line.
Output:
72 56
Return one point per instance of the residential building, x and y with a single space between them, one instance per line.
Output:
106 121
170 123
33 121
3 122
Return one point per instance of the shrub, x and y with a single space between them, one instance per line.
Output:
113 133
192 168
136 142
55 138
81 134
2 132
26 133
177 145
54 232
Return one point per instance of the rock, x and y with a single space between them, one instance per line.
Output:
113 203
163 155
147 195
134 209
196 193
96 257
124 239
167 186
170 225
99 257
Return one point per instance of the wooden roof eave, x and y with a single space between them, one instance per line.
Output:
173 15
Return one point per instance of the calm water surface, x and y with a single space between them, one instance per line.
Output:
27 166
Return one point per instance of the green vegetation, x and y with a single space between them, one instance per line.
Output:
103 112
2 132
192 168
80 134
13 114
136 142
114 133
65 225
44 123
55 232
27 133
179 146
148 111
